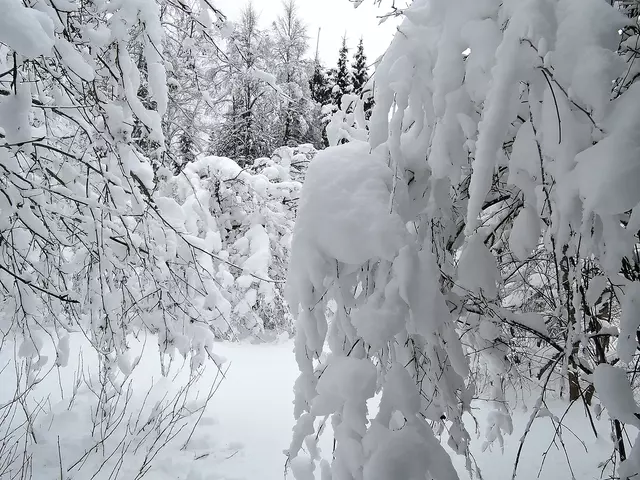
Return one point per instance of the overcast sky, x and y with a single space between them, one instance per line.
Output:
335 18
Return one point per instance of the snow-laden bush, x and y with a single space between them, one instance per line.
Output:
244 217
482 232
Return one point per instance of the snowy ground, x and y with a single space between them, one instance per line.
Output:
253 411
247 425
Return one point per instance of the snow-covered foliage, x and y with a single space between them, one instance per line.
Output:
248 129
194 65
238 223
482 233
244 217
87 243
268 100
290 45
98 233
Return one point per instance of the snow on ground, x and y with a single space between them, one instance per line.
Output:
247 425
254 410
585 451
254 404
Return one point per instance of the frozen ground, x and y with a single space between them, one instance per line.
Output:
248 421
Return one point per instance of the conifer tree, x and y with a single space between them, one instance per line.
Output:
360 77
320 91
343 81
186 148
319 85
359 68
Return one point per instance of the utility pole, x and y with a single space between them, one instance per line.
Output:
318 44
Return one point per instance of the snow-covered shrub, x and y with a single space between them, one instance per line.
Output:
88 247
244 217
491 213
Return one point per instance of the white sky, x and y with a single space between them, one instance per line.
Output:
334 17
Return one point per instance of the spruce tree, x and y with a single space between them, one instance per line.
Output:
186 148
320 91
359 69
319 85
360 77
343 82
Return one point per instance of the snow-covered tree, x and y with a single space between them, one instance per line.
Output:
245 215
359 72
290 44
320 91
107 240
493 199
360 76
187 154
196 67
319 85
87 243
249 128
342 82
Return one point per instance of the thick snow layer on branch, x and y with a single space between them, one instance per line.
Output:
14 114
477 269
499 110
613 189
509 131
525 233
26 30
344 207
608 173
266 77
612 386
408 453
241 219
344 379
74 61
629 323
524 164
158 85
260 252
401 456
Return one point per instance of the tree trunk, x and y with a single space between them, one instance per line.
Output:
574 386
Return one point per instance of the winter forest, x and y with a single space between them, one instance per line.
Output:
226 254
